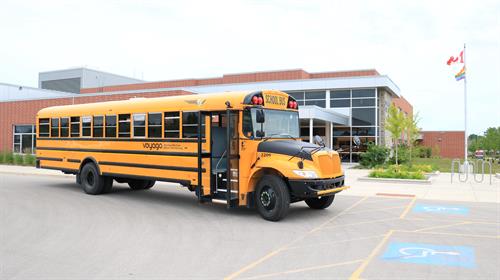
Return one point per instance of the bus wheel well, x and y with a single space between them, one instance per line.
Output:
92 160
266 171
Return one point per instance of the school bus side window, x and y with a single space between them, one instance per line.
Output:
54 127
172 125
64 127
247 124
139 125
190 125
124 125
75 126
111 126
86 126
154 125
44 127
98 126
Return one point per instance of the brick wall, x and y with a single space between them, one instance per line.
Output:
297 74
24 112
404 105
450 144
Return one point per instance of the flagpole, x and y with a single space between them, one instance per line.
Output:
465 110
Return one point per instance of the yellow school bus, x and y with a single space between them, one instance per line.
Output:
237 148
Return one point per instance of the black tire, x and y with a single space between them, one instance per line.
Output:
136 184
91 181
320 203
108 184
272 198
150 184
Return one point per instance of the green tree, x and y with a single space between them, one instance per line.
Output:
394 123
411 131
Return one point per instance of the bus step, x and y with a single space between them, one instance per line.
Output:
219 201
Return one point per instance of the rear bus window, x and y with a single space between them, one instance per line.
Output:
86 126
44 126
98 126
124 125
139 125
111 126
64 127
75 126
54 127
154 125
172 125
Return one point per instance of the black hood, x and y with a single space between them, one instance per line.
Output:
288 147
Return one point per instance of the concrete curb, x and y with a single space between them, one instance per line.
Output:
394 180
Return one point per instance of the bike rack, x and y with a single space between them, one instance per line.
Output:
463 176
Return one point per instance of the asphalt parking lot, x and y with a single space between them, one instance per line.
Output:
51 229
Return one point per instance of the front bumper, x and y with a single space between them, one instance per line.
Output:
316 187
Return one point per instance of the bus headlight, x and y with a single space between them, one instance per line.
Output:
306 174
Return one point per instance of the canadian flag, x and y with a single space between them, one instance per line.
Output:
453 59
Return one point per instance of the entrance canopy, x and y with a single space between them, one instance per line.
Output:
327 115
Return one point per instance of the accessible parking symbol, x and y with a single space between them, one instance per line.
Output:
430 254
443 209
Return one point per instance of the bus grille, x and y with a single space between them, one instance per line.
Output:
327 164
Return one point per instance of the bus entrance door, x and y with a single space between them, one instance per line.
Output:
224 157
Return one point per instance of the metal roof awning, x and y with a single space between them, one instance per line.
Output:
315 112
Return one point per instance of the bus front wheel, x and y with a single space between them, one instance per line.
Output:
272 198
92 182
320 203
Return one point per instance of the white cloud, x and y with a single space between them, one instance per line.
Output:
161 40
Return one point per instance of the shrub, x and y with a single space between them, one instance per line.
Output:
8 158
29 159
2 157
18 159
423 152
398 172
403 155
374 156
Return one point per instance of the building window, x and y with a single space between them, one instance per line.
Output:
98 127
86 126
363 116
54 127
190 125
356 93
340 103
75 126
364 102
139 125
44 127
110 126
124 125
154 125
64 127
25 138
336 94
172 125
315 98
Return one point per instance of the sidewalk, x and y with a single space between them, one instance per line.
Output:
440 189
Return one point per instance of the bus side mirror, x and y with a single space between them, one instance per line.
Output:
259 116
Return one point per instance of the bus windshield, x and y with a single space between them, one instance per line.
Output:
278 124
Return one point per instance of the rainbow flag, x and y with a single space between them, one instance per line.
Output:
460 75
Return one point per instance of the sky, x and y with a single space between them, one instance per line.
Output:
410 41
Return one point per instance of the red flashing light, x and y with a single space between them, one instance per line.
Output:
255 99
261 100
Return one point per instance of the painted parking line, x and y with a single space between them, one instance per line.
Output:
441 209
430 254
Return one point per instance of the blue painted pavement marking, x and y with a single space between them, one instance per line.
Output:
444 209
421 253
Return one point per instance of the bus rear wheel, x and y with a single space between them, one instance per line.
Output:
137 184
272 198
92 182
320 203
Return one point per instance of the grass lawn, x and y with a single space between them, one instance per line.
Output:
444 164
